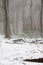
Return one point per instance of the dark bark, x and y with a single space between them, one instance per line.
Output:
39 60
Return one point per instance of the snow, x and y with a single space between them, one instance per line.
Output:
14 54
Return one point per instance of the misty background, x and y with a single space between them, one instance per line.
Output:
21 17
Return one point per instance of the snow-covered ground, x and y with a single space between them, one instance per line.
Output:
12 53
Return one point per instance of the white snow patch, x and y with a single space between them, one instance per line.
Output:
14 54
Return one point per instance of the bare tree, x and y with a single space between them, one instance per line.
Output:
31 14
6 5
24 4
17 18
41 16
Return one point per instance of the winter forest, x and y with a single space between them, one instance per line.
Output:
21 32
21 17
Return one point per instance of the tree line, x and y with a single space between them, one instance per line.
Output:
6 9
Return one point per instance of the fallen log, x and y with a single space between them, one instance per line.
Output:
39 60
19 40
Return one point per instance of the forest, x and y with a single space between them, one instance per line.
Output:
21 17
21 32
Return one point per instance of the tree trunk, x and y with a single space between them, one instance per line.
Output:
31 14
6 5
41 16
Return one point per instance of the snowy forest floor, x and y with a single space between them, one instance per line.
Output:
13 51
